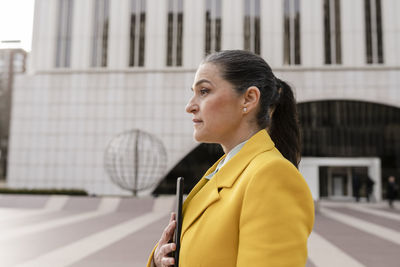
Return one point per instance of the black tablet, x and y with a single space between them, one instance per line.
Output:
178 230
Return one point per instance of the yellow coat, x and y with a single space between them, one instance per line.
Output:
257 210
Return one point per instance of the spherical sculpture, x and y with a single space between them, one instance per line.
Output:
135 160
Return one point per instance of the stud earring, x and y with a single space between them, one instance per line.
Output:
244 109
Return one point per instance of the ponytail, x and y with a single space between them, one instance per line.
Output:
284 125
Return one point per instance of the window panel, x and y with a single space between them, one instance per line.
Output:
373 31
213 26
175 33
137 33
291 37
63 49
332 39
252 26
100 33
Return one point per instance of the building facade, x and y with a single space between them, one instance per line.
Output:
99 68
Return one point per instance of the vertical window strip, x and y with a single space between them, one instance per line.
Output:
297 41
332 32
374 38
378 13
338 33
327 35
287 33
213 26
218 24
142 33
292 48
63 51
170 32
100 33
179 34
368 38
105 33
373 31
132 33
252 25
257 28
208 28
175 33
137 32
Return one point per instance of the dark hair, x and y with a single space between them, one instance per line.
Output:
277 110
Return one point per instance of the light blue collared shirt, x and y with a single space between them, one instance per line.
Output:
230 155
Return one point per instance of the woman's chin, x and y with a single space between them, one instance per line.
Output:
199 137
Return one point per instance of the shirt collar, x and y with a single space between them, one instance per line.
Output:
230 155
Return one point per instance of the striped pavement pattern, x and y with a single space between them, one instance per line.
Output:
58 231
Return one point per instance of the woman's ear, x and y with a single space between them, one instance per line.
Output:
251 98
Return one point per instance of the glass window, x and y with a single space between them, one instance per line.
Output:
137 33
291 26
373 31
175 32
213 26
252 26
100 33
63 49
332 34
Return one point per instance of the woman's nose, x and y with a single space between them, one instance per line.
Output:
191 107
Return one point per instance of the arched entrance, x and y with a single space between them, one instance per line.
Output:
350 130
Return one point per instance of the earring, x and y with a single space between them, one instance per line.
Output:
244 109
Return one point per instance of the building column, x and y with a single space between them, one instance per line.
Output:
232 24
118 34
353 33
156 34
311 33
45 35
193 32
82 31
271 16
390 31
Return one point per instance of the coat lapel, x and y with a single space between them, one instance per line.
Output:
206 192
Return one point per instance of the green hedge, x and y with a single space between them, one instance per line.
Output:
74 192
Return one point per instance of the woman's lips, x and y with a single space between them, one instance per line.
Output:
196 121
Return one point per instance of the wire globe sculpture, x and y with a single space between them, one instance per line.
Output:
135 160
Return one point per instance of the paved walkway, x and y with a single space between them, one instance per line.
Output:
86 232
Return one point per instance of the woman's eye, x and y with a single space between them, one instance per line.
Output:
204 91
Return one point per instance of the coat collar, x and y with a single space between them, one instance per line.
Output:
206 192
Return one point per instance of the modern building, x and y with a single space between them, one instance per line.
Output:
12 62
99 68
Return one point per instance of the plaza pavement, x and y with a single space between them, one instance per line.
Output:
58 231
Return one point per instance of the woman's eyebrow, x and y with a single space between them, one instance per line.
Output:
202 81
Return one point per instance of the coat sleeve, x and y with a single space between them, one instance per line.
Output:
150 262
277 216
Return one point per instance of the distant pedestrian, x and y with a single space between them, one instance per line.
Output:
391 190
370 187
356 187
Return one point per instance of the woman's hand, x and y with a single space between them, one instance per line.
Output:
161 258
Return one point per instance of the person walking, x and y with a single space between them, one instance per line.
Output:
391 190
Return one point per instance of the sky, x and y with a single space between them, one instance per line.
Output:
16 23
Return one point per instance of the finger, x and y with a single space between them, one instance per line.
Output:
168 248
167 261
172 217
168 232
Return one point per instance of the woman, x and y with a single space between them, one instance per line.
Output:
252 207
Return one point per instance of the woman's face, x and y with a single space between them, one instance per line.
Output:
217 109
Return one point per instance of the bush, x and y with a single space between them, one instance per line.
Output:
73 192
